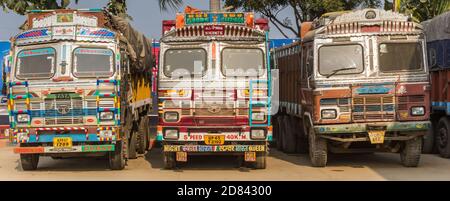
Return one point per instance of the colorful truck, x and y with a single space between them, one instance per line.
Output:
357 82
438 38
79 86
4 119
214 87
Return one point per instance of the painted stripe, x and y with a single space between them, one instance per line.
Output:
205 148
81 137
74 149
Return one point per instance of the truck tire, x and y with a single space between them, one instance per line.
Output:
410 155
261 158
443 138
275 134
29 161
142 136
428 141
132 154
280 133
169 160
116 157
289 138
318 152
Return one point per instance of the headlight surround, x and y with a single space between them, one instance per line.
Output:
105 116
418 111
171 116
329 114
106 133
23 118
258 134
171 134
258 116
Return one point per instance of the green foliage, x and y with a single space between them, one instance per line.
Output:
174 4
422 10
21 6
302 10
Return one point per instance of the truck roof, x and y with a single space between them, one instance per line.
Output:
438 28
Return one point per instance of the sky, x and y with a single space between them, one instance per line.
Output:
147 17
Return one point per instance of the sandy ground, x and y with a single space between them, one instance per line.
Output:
280 167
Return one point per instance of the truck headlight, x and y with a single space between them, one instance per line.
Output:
329 114
258 134
171 116
106 116
23 118
106 133
22 137
418 111
171 134
258 116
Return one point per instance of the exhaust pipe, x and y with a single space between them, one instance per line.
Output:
214 5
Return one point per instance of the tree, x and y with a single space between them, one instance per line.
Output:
21 6
422 10
302 10
117 7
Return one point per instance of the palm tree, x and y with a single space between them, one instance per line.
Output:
422 10
214 5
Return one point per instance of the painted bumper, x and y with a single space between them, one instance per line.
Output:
215 149
363 127
74 149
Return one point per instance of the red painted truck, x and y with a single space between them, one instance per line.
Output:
357 82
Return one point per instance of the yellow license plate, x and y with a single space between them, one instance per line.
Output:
182 156
250 156
377 137
214 139
62 142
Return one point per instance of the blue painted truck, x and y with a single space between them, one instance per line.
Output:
438 42
4 119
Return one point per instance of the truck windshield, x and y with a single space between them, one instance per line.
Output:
184 62
242 62
93 62
400 57
341 60
36 63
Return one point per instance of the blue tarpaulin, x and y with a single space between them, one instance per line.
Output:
276 43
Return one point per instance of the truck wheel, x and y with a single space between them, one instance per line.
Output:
428 141
132 146
280 133
29 161
410 155
169 160
261 158
318 152
116 158
275 133
442 138
289 137
142 136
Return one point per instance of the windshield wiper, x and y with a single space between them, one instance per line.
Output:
339 70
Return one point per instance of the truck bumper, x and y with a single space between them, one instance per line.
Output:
215 149
74 149
412 126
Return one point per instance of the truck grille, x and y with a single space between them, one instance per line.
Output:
63 111
373 108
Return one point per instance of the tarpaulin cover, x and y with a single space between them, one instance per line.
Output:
139 47
438 28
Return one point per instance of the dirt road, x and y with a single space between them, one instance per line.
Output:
280 167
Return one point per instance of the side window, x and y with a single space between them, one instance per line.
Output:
310 61
303 65
432 57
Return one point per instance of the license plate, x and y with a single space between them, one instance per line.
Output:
214 139
182 156
62 143
377 137
250 156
